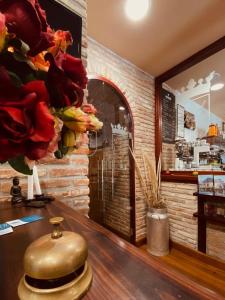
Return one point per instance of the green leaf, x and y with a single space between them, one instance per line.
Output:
41 75
19 165
19 45
15 79
29 77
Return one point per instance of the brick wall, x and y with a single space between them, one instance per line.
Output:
138 88
66 179
181 205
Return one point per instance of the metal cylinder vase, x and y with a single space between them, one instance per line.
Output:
158 231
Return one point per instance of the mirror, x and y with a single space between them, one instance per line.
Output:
111 170
190 130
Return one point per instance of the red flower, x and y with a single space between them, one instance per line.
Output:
62 40
74 69
66 80
3 31
26 125
27 20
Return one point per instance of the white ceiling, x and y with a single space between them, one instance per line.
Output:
172 31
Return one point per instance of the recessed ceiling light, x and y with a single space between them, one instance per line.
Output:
136 9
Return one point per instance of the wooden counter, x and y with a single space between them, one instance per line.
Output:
187 176
121 271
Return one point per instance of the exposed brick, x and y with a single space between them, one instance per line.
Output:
60 172
81 151
80 192
81 181
54 183
5 185
63 161
80 160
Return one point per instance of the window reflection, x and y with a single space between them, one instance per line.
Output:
196 138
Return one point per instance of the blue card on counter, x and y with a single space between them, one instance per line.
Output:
5 229
24 220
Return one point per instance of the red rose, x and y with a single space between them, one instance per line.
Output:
74 69
62 39
66 80
27 20
26 125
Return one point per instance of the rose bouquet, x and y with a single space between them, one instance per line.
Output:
41 88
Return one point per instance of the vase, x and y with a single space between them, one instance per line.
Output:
158 231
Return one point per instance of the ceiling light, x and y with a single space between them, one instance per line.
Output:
122 108
216 83
136 9
217 86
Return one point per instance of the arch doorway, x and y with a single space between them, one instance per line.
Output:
111 168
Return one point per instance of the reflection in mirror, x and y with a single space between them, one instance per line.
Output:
109 162
193 117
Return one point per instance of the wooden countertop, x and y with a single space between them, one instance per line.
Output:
121 271
187 176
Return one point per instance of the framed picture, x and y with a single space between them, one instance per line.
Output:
189 120
219 185
205 184
180 121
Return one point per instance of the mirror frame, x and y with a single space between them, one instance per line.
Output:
184 65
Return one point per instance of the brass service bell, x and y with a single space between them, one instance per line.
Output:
56 267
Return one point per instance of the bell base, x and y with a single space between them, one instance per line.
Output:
73 290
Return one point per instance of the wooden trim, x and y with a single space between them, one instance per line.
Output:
180 178
158 120
194 59
184 65
186 176
205 258
132 164
141 242
121 235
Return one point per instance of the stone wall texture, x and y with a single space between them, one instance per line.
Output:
138 88
67 178
183 226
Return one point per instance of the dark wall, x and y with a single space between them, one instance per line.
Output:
59 17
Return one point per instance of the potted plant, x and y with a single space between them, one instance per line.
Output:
157 218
